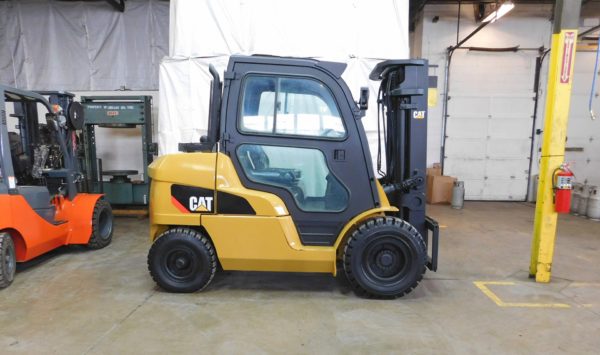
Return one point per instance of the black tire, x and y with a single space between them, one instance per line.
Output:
8 260
102 225
182 260
384 258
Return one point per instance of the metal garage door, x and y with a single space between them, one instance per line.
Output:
583 135
488 130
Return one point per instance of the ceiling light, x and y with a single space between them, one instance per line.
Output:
499 12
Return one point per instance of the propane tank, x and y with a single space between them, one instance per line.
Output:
458 195
593 205
562 187
583 201
577 187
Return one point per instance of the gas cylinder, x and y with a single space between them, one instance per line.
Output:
577 187
593 205
583 201
458 195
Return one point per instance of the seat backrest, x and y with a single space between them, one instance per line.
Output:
36 196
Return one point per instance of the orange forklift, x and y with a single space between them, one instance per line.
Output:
40 206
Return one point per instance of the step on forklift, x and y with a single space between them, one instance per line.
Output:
283 181
40 206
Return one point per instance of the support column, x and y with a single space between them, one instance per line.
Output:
558 98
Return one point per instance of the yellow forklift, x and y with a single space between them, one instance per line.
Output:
283 180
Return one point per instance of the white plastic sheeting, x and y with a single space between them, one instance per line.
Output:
64 45
309 28
360 33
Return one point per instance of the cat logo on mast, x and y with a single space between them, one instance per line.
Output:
419 115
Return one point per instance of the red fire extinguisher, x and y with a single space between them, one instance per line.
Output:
562 185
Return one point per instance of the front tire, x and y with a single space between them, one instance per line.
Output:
102 225
182 260
385 258
8 260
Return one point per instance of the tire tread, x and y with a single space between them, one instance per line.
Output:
5 280
96 241
188 233
362 232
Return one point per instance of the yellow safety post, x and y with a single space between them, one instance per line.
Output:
558 97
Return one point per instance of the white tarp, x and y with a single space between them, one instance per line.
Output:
360 33
75 45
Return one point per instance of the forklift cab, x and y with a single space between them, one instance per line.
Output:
296 133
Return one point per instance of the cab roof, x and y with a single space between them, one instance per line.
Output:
335 68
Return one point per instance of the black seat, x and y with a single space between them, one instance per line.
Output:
38 197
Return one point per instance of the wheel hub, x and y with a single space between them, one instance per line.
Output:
181 263
385 258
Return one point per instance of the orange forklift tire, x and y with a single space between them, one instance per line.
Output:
102 225
8 260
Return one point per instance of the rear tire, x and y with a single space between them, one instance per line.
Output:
8 260
385 258
182 260
102 225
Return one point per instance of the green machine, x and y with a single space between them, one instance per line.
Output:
117 112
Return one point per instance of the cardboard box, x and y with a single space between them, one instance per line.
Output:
434 171
439 189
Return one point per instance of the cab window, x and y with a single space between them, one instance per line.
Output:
303 172
289 106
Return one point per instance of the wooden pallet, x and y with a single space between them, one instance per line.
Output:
140 213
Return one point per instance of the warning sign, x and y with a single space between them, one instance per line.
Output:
567 58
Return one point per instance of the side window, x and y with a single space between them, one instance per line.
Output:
289 106
301 171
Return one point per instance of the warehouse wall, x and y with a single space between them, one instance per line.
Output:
583 134
491 98
500 85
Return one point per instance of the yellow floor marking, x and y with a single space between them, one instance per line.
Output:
482 285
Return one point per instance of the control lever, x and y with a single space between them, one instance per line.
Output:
403 186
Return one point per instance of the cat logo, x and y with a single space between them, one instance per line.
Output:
200 204
419 115
191 199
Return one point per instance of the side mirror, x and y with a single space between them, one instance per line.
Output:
363 102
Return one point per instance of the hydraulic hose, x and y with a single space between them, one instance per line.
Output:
594 76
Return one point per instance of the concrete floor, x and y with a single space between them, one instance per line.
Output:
77 301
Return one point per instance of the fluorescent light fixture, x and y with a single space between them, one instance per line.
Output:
499 12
